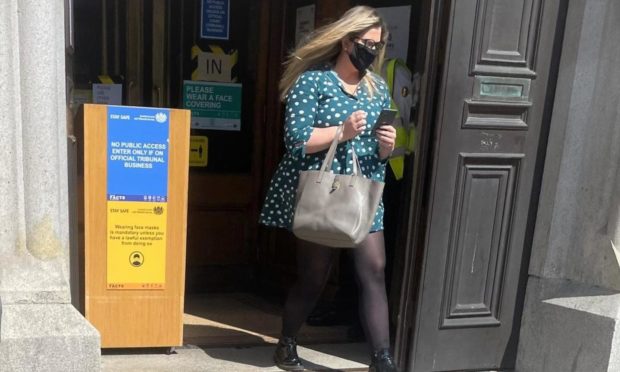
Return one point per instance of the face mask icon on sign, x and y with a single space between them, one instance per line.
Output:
136 259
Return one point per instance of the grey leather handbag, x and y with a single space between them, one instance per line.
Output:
335 210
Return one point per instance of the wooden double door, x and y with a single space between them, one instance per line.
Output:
153 46
150 47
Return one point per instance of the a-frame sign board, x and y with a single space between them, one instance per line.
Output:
135 219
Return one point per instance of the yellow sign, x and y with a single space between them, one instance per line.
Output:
215 67
136 245
214 64
198 151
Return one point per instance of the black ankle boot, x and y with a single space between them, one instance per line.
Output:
285 355
382 361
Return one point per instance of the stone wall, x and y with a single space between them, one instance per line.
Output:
39 328
572 300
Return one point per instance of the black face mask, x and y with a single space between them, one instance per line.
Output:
361 57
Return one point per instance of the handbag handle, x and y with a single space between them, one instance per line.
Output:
329 157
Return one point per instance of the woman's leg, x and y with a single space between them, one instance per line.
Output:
313 264
369 258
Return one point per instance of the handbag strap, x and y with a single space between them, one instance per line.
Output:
357 169
329 157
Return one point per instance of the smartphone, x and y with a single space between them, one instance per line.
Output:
386 117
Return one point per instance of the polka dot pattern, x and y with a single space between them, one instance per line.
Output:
318 100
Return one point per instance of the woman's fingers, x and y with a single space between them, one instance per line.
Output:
386 132
386 135
359 120
354 124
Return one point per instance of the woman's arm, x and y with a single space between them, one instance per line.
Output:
321 138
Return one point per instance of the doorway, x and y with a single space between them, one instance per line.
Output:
151 49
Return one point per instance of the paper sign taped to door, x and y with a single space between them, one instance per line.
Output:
108 94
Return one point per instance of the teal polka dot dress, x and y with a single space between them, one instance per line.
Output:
318 99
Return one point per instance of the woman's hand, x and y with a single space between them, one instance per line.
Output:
386 135
354 125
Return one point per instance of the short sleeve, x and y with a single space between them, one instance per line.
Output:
300 112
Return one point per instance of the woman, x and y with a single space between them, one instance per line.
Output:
327 82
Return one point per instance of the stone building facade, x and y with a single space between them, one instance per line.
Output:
572 302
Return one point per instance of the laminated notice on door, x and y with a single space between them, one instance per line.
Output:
108 94
214 106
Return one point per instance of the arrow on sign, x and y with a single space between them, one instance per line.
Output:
198 150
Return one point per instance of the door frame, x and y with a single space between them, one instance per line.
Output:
430 50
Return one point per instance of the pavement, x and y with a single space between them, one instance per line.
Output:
190 358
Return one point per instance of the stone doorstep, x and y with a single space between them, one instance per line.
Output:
348 357
595 324
569 326
47 337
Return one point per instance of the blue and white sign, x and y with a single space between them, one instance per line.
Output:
215 19
138 154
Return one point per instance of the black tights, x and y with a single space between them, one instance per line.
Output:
313 266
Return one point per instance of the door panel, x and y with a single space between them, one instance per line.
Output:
493 97
160 35
276 255
159 89
134 53
484 194
221 239
505 36
219 223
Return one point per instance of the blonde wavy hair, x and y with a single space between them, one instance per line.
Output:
324 45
